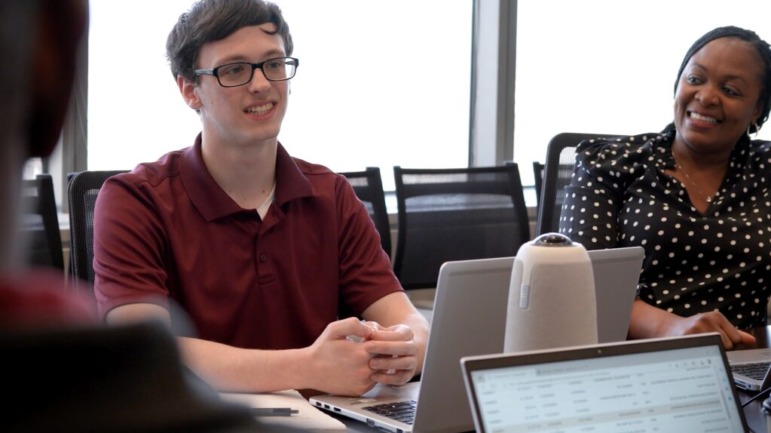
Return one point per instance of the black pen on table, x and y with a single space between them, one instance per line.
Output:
274 411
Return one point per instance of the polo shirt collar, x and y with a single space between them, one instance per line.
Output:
291 182
213 203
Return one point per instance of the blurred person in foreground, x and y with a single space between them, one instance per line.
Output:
64 370
38 44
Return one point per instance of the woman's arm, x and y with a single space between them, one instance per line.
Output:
650 322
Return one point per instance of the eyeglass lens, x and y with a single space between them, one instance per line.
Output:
237 74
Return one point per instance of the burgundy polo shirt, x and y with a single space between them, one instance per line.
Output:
166 231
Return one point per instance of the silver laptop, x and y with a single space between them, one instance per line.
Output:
469 318
751 368
680 384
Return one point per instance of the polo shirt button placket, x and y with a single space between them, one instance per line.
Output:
263 257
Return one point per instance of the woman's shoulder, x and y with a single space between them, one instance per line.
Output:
622 143
621 149
761 147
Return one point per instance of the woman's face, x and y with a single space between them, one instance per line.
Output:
718 95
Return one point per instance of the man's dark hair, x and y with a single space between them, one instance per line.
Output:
760 46
213 20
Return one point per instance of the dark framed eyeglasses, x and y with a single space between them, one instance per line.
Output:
240 73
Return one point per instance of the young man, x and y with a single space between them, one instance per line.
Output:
258 248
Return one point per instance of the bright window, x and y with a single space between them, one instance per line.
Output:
609 66
405 100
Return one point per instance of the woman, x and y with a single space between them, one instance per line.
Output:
695 196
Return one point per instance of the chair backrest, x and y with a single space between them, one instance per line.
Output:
557 172
83 189
368 186
40 221
538 178
456 214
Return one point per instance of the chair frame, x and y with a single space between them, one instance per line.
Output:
374 194
538 169
81 253
44 204
547 201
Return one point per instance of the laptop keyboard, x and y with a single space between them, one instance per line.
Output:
755 370
403 411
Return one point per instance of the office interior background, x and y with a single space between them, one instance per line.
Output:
416 83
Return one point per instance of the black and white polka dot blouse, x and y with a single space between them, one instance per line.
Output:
620 196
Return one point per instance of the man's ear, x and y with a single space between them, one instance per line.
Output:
60 26
189 92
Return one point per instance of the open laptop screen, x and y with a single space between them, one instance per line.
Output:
677 384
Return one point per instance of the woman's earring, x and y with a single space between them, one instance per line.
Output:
757 128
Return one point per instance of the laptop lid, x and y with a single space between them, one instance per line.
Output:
469 318
468 325
616 274
673 384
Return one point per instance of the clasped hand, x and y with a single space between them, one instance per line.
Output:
353 356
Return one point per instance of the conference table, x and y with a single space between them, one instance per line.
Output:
756 419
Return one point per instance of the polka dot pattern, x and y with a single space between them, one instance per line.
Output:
720 260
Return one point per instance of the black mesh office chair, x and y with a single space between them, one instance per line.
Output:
557 172
83 189
368 186
40 222
456 214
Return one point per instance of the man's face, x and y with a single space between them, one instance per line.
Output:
247 114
